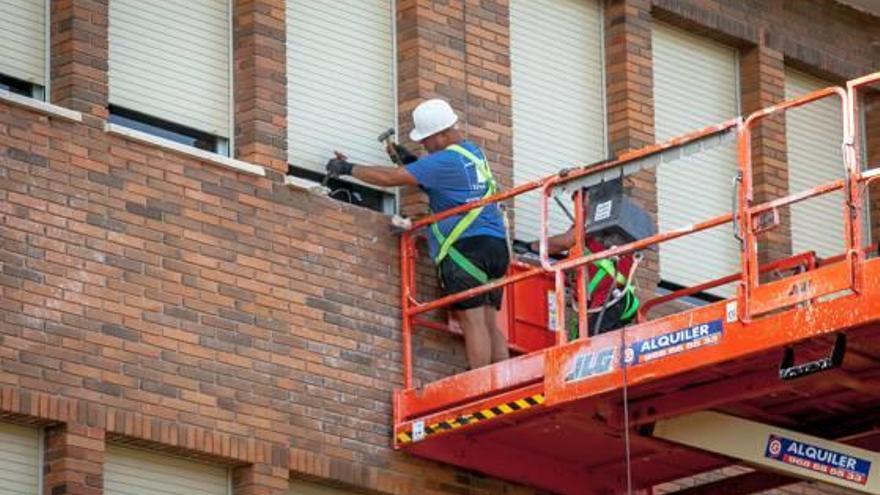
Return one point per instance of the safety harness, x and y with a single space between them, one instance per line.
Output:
446 243
605 268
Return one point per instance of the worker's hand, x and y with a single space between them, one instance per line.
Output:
337 167
520 247
406 156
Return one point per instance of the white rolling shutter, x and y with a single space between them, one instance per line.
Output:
558 90
20 469
340 80
170 60
813 135
301 487
695 85
137 472
23 40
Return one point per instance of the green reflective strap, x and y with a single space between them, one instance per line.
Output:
466 265
455 233
605 268
632 304
485 174
458 258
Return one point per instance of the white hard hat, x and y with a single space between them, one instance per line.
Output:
431 117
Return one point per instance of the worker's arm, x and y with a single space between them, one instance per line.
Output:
383 176
558 243
371 174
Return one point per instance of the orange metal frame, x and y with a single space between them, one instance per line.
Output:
762 316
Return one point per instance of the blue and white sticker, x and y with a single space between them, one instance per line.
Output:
591 363
674 342
818 459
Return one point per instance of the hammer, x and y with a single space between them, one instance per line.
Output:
385 137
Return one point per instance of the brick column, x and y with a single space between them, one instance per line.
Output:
630 107
260 77
74 460
79 52
763 84
487 111
459 51
260 479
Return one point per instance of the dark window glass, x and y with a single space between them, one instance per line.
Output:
16 86
162 128
355 194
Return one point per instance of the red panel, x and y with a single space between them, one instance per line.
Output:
525 306
470 386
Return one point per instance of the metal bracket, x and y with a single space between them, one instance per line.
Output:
766 220
789 371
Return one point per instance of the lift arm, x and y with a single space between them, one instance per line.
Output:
776 449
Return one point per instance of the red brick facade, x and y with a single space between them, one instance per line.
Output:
155 298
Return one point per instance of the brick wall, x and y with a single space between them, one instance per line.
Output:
150 297
195 307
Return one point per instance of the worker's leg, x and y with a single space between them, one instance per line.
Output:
478 315
477 340
500 351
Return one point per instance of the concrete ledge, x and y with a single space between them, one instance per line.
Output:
40 106
305 184
223 161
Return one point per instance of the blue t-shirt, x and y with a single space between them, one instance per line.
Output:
451 180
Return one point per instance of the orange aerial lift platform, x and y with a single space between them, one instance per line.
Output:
783 378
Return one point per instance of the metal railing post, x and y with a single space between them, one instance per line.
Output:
407 279
748 244
581 202
561 333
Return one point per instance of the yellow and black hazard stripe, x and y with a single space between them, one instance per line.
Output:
476 417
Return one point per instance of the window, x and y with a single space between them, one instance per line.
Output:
20 462
170 70
20 87
167 130
349 192
129 471
302 487
341 88
696 84
547 91
813 134
23 47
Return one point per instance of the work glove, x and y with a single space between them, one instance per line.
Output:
406 156
337 167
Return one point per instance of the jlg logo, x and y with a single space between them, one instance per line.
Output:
591 364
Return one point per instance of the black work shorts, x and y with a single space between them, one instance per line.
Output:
488 254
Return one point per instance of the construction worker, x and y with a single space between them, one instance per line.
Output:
469 249
607 309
